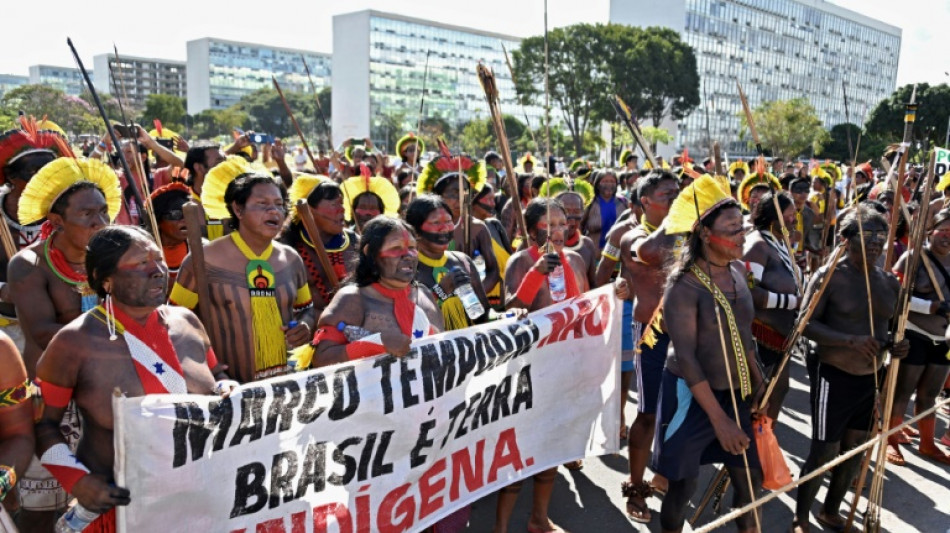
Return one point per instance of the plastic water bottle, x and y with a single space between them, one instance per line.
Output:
353 333
471 303
76 519
556 284
479 265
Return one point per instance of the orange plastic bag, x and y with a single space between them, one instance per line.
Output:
775 472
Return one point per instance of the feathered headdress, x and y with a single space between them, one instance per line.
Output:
348 152
649 166
381 187
30 138
709 194
744 191
833 170
866 169
410 138
52 180
446 166
738 165
818 172
554 187
527 158
301 188
216 183
176 186
624 155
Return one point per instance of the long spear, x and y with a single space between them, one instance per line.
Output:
316 98
487 79
775 204
626 116
306 217
910 115
422 103
112 135
290 113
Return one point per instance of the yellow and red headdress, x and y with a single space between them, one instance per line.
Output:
300 189
32 137
407 139
447 165
378 185
53 179
744 191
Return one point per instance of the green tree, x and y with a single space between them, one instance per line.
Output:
212 123
388 128
477 136
837 148
655 136
267 113
71 113
886 121
654 71
578 79
170 109
788 127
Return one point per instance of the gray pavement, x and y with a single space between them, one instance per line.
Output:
916 496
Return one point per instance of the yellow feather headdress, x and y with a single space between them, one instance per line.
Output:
300 189
745 188
54 178
709 194
554 187
738 165
216 183
381 187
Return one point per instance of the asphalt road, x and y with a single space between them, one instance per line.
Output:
916 496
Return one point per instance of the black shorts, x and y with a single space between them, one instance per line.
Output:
685 438
840 401
923 350
769 357
649 363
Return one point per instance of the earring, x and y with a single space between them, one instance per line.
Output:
110 317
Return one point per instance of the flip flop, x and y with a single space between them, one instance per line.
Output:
829 524
532 529
895 457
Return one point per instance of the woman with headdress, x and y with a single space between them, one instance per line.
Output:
325 201
168 205
702 385
602 213
576 196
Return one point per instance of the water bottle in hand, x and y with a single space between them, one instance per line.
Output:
471 303
353 333
76 519
556 284
479 265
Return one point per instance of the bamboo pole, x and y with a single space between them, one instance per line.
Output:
306 217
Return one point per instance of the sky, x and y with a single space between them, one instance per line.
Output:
37 35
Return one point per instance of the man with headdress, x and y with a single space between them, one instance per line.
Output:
753 187
644 252
801 232
849 361
325 201
23 152
628 160
365 197
441 177
132 343
575 197
738 170
48 281
710 382
260 297
409 147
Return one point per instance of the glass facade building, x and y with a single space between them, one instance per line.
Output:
221 72
138 77
778 50
379 62
67 79
11 81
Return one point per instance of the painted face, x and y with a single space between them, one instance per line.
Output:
141 276
727 236
573 211
264 211
438 228
607 187
662 197
755 195
328 215
368 207
484 207
800 195
86 213
875 236
450 195
397 259
172 224
940 238
554 228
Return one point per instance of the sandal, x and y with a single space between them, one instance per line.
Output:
894 456
935 454
637 511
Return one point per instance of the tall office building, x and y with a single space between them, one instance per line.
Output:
221 72
11 81
379 62
66 79
138 77
778 50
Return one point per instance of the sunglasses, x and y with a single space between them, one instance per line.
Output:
173 215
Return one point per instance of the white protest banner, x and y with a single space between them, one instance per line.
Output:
385 444
941 162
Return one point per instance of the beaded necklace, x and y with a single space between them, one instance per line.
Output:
60 266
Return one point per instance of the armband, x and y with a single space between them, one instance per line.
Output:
328 333
611 252
54 395
530 286
15 395
781 301
7 480
210 358
439 293
919 305
64 465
